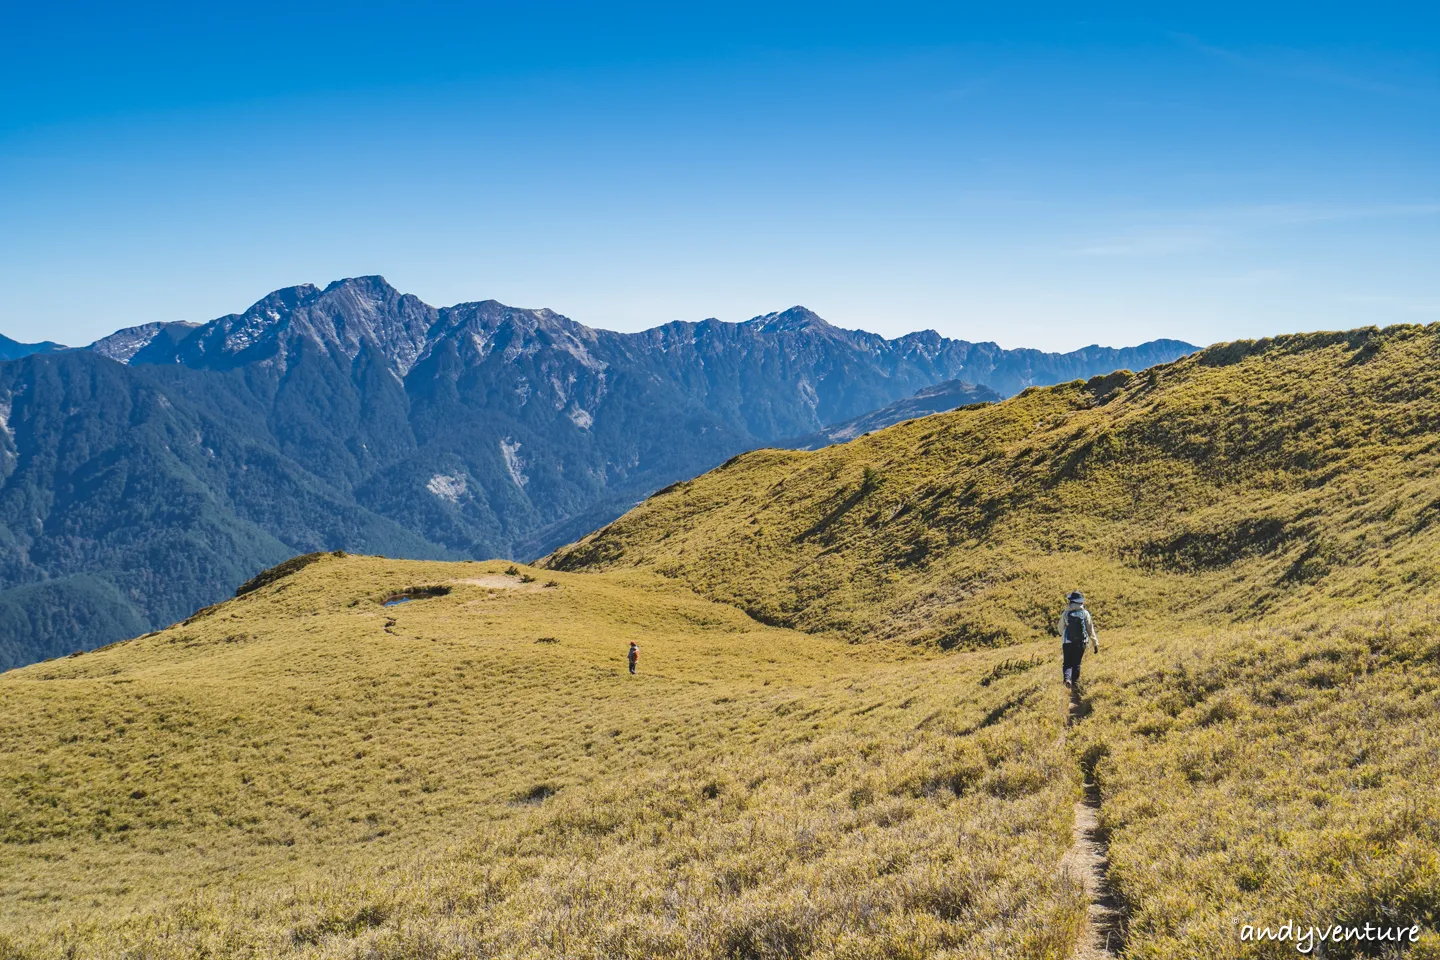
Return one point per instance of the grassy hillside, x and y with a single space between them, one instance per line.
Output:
1255 525
305 771
1271 774
847 738
1248 480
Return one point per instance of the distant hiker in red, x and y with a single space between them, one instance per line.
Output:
1076 628
634 656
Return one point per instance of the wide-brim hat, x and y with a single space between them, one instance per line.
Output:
1076 597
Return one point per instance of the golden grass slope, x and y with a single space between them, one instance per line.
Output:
1256 528
304 772
1246 480
1270 774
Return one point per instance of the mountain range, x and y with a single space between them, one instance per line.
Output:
149 474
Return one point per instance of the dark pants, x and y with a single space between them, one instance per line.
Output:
1073 652
632 666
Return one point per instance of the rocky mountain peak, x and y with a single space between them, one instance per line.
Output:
125 345
340 319
283 300
796 319
374 287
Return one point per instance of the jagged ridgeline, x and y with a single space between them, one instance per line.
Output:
1244 481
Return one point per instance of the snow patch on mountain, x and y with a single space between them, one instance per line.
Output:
581 418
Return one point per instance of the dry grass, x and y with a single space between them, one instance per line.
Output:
1271 774
302 771
1256 527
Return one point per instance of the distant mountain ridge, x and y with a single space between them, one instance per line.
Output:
14 349
151 473
123 345
940 398
349 313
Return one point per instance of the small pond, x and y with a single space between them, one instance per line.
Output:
414 593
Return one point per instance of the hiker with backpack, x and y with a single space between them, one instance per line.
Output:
634 655
1076 628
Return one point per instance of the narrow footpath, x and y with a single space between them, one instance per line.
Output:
1087 860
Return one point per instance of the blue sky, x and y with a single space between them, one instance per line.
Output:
1038 177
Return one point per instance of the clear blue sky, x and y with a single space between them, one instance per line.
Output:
1036 177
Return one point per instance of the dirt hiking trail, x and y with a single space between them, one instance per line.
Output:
1088 862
